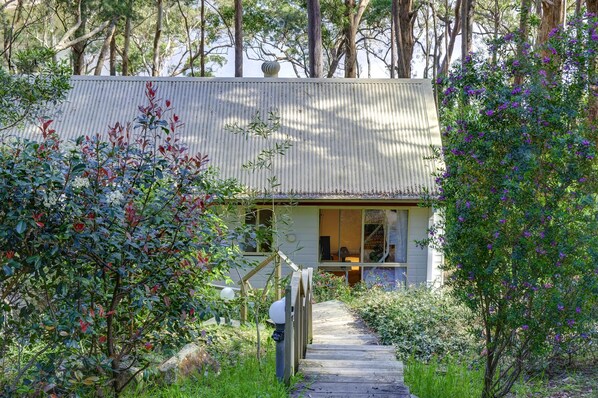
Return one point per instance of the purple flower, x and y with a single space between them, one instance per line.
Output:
524 327
570 322
578 310
502 221
542 72
527 234
489 112
489 246
560 307
558 338
496 234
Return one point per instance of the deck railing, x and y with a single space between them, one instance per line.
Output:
278 258
298 320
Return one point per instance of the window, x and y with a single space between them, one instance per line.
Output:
366 236
260 238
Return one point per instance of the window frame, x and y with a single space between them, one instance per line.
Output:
259 245
361 263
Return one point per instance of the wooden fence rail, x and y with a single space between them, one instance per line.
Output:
298 324
278 258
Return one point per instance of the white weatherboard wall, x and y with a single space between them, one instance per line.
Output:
298 238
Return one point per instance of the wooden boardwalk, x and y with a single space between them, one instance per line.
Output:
345 360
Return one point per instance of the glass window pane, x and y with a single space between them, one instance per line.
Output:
329 233
373 236
350 236
397 236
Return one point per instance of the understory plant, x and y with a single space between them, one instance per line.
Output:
518 197
106 246
421 323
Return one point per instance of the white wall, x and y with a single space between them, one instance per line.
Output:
298 238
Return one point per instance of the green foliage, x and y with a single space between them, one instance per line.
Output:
446 378
327 286
420 322
518 197
27 97
105 250
241 374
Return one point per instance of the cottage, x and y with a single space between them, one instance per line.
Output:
355 170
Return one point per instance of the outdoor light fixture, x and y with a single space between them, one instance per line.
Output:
278 316
227 294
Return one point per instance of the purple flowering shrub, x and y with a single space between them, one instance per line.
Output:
106 247
518 196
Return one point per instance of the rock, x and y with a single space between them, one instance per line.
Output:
191 359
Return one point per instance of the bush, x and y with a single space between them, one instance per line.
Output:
420 322
327 286
106 248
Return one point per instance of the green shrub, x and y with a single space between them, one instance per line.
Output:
327 286
447 378
420 322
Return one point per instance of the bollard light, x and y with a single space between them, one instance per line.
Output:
277 314
227 294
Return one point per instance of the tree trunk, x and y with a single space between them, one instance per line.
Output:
314 35
350 46
202 40
105 47
352 20
394 23
157 34
466 28
78 49
553 15
112 59
404 37
592 6
127 44
593 105
238 38
451 37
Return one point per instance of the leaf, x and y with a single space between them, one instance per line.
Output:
7 270
78 168
21 227
91 380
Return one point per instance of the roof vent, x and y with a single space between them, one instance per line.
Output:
270 68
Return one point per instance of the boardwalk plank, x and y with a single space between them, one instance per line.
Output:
345 360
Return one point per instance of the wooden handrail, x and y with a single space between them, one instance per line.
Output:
245 285
298 323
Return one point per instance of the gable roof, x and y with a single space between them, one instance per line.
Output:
351 138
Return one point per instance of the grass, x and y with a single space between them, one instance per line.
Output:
245 379
241 374
448 378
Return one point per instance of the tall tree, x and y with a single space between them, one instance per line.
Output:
452 28
466 27
553 15
238 38
314 35
157 35
404 17
353 14
106 46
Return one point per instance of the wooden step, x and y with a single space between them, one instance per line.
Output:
357 355
350 364
350 347
354 388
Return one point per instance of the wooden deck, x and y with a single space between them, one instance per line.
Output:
345 360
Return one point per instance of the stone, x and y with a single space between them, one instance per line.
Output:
191 359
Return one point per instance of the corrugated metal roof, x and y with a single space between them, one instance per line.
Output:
351 138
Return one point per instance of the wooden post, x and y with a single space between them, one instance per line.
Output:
288 337
243 302
278 277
